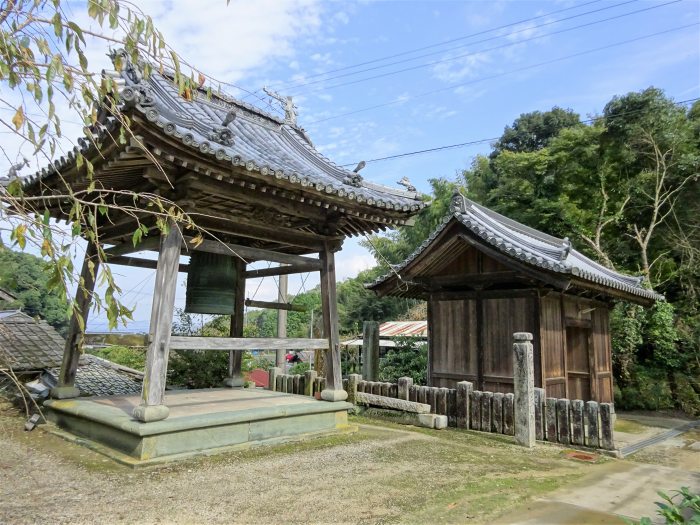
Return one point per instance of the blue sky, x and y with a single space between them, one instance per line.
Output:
462 91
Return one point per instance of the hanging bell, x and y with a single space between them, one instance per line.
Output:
211 284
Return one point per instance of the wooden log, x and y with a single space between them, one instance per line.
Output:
152 407
486 411
309 378
509 414
79 318
593 435
550 416
497 413
281 270
539 413
271 305
404 387
607 440
578 429
272 375
392 403
475 410
441 401
563 421
370 350
464 389
413 393
329 310
248 343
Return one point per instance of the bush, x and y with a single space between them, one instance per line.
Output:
299 368
133 357
647 389
408 358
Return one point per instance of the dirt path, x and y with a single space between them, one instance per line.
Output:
382 474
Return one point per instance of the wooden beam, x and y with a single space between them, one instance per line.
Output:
249 253
150 243
142 263
329 303
276 306
475 281
235 359
247 343
283 270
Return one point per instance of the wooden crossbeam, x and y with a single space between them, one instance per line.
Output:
245 343
142 263
249 253
282 270
276 306
150 243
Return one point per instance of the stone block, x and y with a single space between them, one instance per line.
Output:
475 410
563 421
592 415
404 387
524 389
392 403
464 388
508 414
497 413
550 419
577 422
486 411
539 414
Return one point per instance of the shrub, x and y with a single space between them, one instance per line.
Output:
133 357
408 358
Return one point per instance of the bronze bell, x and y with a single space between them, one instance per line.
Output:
211 284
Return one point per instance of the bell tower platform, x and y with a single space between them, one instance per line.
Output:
201 422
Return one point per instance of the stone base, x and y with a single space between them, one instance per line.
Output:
406 418
64 392
334 395
148 413
234 382
201 422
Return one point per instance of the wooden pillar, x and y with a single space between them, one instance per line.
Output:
76 329
370 350
153 391
281 321
334 380
235 358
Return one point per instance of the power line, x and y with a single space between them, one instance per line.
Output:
402 100
482 141
443 43
473 53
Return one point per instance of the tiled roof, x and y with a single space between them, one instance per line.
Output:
27 343
99 377
232 131
528 245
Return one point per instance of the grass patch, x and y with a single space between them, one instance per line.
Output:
629 426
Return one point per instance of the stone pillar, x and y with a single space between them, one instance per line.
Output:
272 374
593 438
153 391
405 384
235 357
333 390
464 388
309 379
370 350
76 329
353 381
524 389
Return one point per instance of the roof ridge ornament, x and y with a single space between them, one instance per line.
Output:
223 134
565 249
459 202
355 179
406 183
290 110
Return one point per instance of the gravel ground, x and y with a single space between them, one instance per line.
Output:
381 474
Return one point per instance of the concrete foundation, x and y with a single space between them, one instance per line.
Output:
200 422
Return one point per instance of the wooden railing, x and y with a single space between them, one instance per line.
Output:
246 343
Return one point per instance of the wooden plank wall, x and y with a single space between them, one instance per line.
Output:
552 346
603 355
453 349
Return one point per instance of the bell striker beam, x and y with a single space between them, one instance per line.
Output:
334 380
153 391
71 353
235 358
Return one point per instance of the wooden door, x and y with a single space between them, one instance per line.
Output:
578 372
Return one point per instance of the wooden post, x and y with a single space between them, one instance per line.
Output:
464 388
235 357
76 329
524 388
333 390
370 350
281 320
153 391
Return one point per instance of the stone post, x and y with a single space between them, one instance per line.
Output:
309 378
353 381
464 388
405 384
607 441
370 350
524 386
272 374
593 438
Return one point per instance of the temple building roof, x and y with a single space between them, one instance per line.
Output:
223 140
519 243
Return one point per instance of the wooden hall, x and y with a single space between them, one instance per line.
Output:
485 277
256 187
